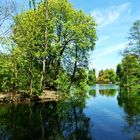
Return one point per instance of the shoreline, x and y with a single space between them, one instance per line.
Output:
11 97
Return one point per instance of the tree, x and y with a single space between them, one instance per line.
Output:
112 76
130 73
7 9
106 76
91 77
66 33
134 37
119 73
42 82
50 42
32 3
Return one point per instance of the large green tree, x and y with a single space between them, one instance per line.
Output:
130 67
129 76
50 41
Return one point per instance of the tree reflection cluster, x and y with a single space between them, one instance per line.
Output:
130 102
40 121
64 120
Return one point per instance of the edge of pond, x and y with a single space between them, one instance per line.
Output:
11 97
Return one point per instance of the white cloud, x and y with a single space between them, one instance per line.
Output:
112 49
97 58
102 39
108 16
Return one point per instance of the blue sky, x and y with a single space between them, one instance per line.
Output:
114 19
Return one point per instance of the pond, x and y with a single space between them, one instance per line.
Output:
106 114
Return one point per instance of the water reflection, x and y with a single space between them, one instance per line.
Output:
92 92
110 92
130 102
118 111
105 115
41 121
104 90
74 123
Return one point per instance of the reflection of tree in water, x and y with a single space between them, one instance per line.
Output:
4 133
108 92
131 105
74 123
92 92
51 121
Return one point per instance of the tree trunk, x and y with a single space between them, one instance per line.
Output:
75 65
31 73
31 83
59 61
42 81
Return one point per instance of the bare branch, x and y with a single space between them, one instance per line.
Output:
7 8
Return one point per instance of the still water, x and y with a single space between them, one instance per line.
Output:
106 114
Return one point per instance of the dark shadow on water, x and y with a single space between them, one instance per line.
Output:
73 119
92 92
130 102
44 121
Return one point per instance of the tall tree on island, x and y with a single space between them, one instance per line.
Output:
130 66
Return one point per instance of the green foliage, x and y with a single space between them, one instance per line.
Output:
106 76
79 87
134 38
63 82
119 73
91 77
60 41
128 72
81 78
130 102
92 92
